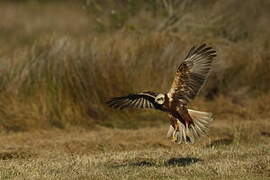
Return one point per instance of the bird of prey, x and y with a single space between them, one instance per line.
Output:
186 125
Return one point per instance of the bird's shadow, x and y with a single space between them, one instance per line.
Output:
181 162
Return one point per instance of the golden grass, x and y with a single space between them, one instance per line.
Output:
60 61
60 82
233 149
55 75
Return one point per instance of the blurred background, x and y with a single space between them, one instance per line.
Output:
61 60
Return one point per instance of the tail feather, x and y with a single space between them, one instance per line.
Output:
197 129
201 122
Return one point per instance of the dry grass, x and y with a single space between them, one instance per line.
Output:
55 75
59 62
238 150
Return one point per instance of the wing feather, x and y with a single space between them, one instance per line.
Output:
140 103
137 103
139 100
192 73
143 103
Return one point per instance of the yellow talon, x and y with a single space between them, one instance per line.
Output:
174 138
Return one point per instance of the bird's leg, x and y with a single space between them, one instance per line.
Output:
176 129
173 124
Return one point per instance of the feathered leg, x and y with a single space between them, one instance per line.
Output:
193 125
177 131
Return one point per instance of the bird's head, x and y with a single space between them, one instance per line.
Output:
160 99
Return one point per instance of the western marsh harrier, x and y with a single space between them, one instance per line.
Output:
186 124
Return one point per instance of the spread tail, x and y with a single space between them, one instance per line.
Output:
189 134
201 122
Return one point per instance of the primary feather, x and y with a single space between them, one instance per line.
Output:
192 73
139 100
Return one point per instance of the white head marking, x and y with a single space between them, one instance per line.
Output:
160 99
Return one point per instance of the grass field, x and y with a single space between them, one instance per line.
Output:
233 150
61 60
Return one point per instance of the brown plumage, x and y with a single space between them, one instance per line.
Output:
186 124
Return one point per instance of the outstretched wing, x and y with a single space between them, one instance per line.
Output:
192 73
139 100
